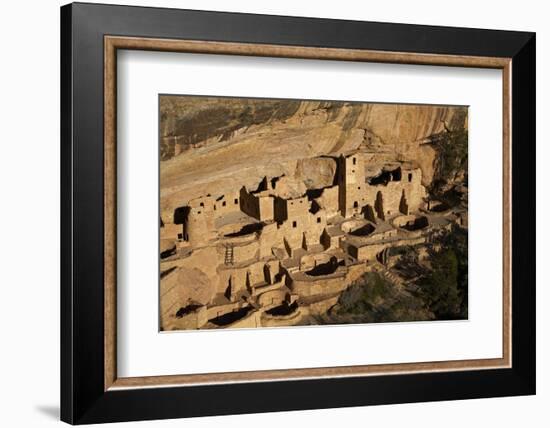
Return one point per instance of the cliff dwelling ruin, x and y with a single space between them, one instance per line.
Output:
256 243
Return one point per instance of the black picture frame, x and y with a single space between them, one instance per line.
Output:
83 398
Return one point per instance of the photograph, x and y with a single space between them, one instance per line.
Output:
248 214
291 212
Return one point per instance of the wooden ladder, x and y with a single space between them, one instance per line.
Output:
229 254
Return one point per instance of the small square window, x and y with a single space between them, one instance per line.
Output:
236 201
410 177
354 161
294 224
202 204
223 204
318 219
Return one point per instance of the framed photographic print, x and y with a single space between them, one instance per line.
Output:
277 213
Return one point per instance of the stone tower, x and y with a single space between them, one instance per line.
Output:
351 183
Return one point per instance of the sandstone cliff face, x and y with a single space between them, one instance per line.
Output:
218 144
316 173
